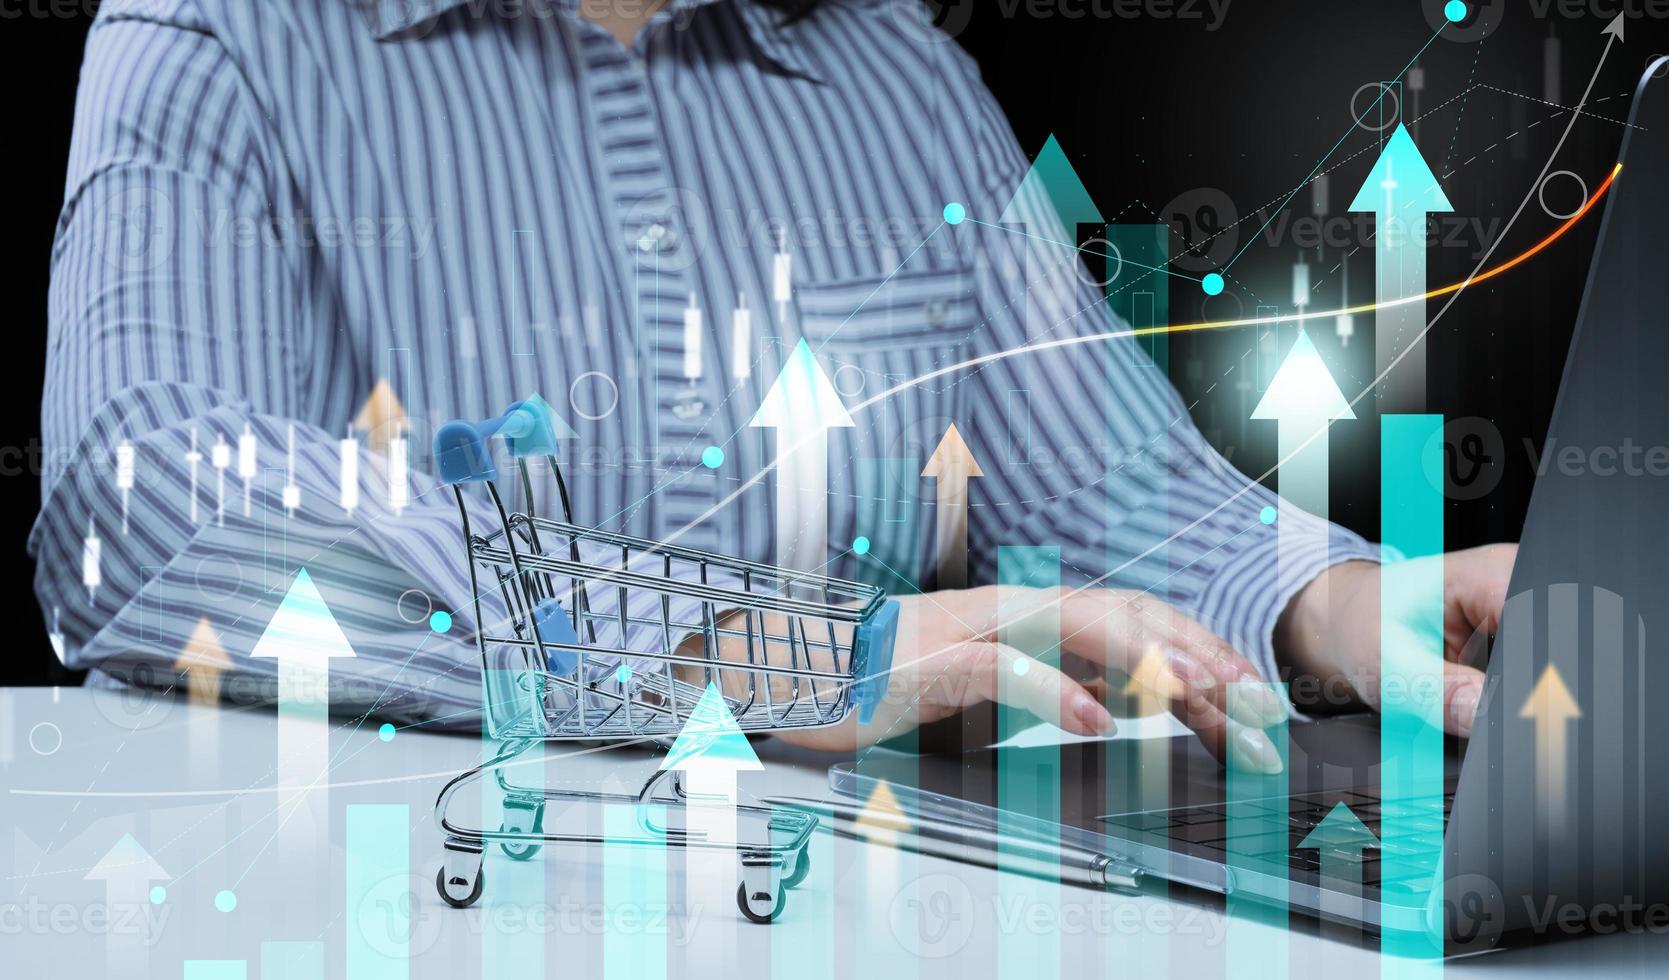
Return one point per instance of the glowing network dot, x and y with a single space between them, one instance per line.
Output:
1212 283
623 673
954 213
440 621
159 894
712 457
1267 515
1022 667
386 732
860 545
225 901
1455 10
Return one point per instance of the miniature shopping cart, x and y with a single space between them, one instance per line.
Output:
585 634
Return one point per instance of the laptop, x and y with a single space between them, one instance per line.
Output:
1589 595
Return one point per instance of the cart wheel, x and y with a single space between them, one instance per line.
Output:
519 852
802 867
522 820
466 901
748 903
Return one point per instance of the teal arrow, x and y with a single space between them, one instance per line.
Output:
1340 839
1400 191
1052 178
533 428
710 740
1046 208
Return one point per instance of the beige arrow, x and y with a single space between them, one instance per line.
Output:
1551 707
882 818
951 466
203 659
382 418
1153 684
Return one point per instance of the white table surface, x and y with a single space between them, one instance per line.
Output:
195 787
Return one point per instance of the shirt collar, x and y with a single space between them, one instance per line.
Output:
401 19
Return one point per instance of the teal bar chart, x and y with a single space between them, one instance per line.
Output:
378 863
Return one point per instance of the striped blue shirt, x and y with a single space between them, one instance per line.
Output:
272 207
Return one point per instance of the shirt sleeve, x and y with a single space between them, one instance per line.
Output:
178 326
1085 443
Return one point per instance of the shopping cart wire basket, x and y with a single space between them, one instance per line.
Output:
586 634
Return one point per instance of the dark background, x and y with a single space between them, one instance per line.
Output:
1151 106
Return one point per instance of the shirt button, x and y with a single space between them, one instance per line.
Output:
657 238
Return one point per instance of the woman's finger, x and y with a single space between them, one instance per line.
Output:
1005 675
1149 639
1246 748
1462 687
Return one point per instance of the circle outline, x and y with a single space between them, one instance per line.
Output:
1384 87
400 606
606 412
863 380
1117 253
37 749
1541 195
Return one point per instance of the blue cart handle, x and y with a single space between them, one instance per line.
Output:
527 427
872 660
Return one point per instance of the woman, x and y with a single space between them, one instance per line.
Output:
275 208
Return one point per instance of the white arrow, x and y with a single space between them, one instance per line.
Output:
950 467
802 406
1304 400
710 750
303 637
127 871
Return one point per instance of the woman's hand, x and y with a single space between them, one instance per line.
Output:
949 657
1330 635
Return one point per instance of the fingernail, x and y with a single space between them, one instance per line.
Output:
1252 703
1187 667
1463 709
1254 752
1094 717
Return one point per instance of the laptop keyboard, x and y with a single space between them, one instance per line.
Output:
1266 830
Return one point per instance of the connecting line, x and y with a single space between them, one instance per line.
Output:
1323 161
1454 288
136 794
733 436
1135 594
415 777
301 799
915 699
983 359
897 575
879 286
1087 251
377 701
329 767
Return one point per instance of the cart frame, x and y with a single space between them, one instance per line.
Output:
556 675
